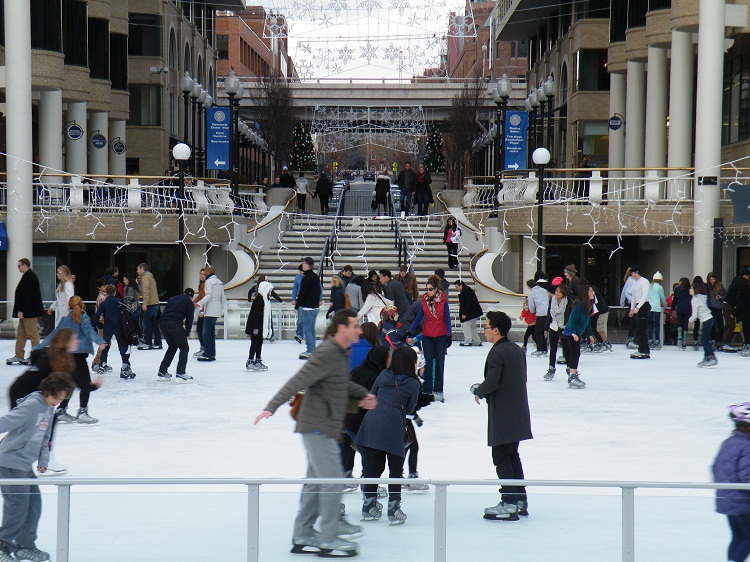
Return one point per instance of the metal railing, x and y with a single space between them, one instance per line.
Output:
441 487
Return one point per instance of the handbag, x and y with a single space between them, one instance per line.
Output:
296 403
409 434
374 203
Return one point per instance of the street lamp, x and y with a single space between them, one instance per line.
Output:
541 157
549 90
194 94
500 95
181 154
541 98
186 85
236 161
206 104
534 111
231 86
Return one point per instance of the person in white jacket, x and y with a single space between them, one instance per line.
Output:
701 312
65 290
640 310
213 307
374 303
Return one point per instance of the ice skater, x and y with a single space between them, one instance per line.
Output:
259 326
110 309
175 323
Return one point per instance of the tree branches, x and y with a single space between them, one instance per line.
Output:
273 100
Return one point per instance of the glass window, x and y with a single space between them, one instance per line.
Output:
736 103
591 70
222 47
145 35
75 36
118 61
145 105
618 21
99 48
46 31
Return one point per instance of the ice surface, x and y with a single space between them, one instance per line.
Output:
651 420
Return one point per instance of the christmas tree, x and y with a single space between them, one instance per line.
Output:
303 152
434 160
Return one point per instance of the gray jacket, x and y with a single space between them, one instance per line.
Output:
29 428
325 380
355 295
539 301
396 291
214 300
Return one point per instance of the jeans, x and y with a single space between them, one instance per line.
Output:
301 199
22 508
405 202
423 202
174 333
708 349
308 326
376 460
739 548
434 349
298 330
508 467
209 336
149 323
654 326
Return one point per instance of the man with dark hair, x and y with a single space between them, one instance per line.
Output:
407 183
346 275
509 420
150 307
395 291
640 310
733 297
308 303
27 307
287 179
175 322
320 421
469 310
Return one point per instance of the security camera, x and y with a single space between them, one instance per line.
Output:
165 69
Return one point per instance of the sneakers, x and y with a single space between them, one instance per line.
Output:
305 355
416 487
183 378
575 382
198 353
31 553
639 355
163 376
550 374
708 362
62 416
83 417
395 515
16 361
500 512
298 339
329 548
539 354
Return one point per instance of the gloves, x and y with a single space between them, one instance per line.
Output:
449 342
473 388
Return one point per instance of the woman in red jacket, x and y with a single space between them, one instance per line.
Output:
437 335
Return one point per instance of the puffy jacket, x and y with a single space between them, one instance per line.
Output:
539 301
149 290
681 301
434 326
213 302
732 465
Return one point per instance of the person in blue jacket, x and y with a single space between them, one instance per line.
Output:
578 327
732 466
110 310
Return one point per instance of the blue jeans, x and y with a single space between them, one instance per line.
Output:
434 348
654 326
739 548
149 323
406 201
298 330
308 326
708 349
209 336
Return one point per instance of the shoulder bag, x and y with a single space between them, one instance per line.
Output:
409 434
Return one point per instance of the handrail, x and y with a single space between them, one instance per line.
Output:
329 247
472 272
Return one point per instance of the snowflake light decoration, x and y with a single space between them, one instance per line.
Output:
369 51
275 26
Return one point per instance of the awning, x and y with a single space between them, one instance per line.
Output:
3 238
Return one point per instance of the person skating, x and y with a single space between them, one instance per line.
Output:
559 312
701 312
539 297
509 419
111 309
639 312
308 303
27 307
578 329
681 303
657 300
258 326
175 323
213 307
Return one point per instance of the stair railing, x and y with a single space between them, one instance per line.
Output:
329 246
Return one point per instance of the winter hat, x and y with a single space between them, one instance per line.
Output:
658 276
284 169
570 269
557 281
388 313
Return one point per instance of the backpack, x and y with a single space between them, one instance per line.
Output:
127 327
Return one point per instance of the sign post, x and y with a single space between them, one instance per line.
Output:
515 140
218 133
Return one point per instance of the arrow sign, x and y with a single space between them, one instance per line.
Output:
219 163
218 135
513 167
514 139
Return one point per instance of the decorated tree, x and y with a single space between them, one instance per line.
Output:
303 151
434 160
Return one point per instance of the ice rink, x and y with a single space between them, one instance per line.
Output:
652 420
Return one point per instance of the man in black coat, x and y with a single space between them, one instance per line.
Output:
732 299
287 179
509 420
469 310
308 303
395 291
175 324
324 192
407 183
27 307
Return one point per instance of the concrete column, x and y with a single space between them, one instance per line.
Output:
20 154
117 161
617 88
50 136
635 119
655 155
98 157
706 187
680 151
75 150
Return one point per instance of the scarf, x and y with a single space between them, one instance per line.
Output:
432 302
264 289
420 178
557 311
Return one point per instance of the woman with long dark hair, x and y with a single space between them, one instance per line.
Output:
370 338
559 311
681 303
578 327
451 234
716 294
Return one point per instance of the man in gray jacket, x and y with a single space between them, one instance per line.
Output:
394 290
325 380
509 420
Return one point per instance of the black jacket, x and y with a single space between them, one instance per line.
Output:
337 300
601 303
737 286
309 291
324 188
396 291
287 180
179 309
468 305
28 299
364 375
254 323
30 379
407 180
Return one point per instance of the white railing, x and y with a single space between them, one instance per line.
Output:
253 487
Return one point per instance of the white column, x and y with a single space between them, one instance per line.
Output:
680 151
657 78
617 90
192 266
19 123
50 136
708 130
530 264
98 157
75 150
117 130
635 120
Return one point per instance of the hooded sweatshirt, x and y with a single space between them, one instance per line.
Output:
29 428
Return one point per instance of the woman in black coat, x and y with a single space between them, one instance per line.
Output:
337 296
469 310
323 191
382 190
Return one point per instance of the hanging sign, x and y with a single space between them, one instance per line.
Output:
615 122
75 131
118 146
515 139
98 141
218 136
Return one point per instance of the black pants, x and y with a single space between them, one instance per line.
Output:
508 467
301 199
374 467
539 328
347 452
556 336
176 338
682 324
574 352
413 450
597 335
452 254
199 329
641 328
122 348
323 205
256 345
82 377
717 332
529 333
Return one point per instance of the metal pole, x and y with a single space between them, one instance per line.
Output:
541 124
194 138
231 142
185 120
540 217
181 217
502 152
550 131
628 525
253 522
63 523
498 169
236 187
441 526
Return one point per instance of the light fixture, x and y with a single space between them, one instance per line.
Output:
231 83
186 84
209 100
541 156
196 90
549 86
181 152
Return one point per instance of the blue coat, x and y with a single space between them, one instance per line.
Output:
732 465
359 352
383 427
85 332
110 309
578 323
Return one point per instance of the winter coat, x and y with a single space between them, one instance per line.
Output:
287 180
626 296
425 184
372 306
337 300
656 297
254 324
407 180
110 309
382 190
324 188
716 296
213 302
396 291
411 314
409 280
736 291
578 323
28 297
30 379
391 335
85 331
358 354
148 289
383 427
504 387
700 309
29 428
468 305
732 465
325 380
434 326
539 301
310 292
364 375
601 304
681 301
60 306
180 309
354 292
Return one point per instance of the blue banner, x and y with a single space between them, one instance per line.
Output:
218 135
515 140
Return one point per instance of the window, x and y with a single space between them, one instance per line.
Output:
591 70
145 35
75 36
522 46
593 9
618 21
736 103
637 13
222 47
145 105
99 48
46 32
118 61
659 4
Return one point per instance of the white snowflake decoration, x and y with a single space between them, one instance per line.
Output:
369 5
401 6
391 53
275 25
369 51
346 54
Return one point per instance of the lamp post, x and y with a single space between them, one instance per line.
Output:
186 85
534 112
200 146
194 94
206 104
542 99
500 95
541 158
236 153
231 86
181 154
549 90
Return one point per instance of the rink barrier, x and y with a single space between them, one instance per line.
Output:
440 526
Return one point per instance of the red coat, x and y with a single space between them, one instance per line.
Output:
434 326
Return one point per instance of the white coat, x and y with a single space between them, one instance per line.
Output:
60 306
214 300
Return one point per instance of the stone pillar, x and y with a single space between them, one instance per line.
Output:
20 153
50 136
617 89
635 120
75 150
680 151
117 130
98 157
655 155
707 184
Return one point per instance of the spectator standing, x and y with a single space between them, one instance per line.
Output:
509 419
639 311
657 300
27 307
199 325
213 306
715 304
65 290
394 290
539 304
150 308
324 192
298 333
451 238
309 301
301 186
176 322
407 183
469 311
410 282
320 421
337 296
739 285
354 292
346 275
423 192
681 303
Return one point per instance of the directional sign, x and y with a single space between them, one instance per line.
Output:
514 141
218 133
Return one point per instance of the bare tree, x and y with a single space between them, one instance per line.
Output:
274 111
462 128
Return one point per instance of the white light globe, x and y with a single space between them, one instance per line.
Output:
541 156
181 151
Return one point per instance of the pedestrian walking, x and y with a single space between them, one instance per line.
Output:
324 192
65 290
302 186
469 311
407 183
213 307
176 322
423 192
27 307
451 238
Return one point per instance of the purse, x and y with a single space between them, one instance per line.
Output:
409 434
295 404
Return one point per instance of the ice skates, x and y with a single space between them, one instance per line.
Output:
575 382
416 487
30 553
550 374
182 378
631 344
708 362
83 417
395 515
198 353
499 512
163 376
126 373
372 510
302 545
16 361
337 548
62 416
